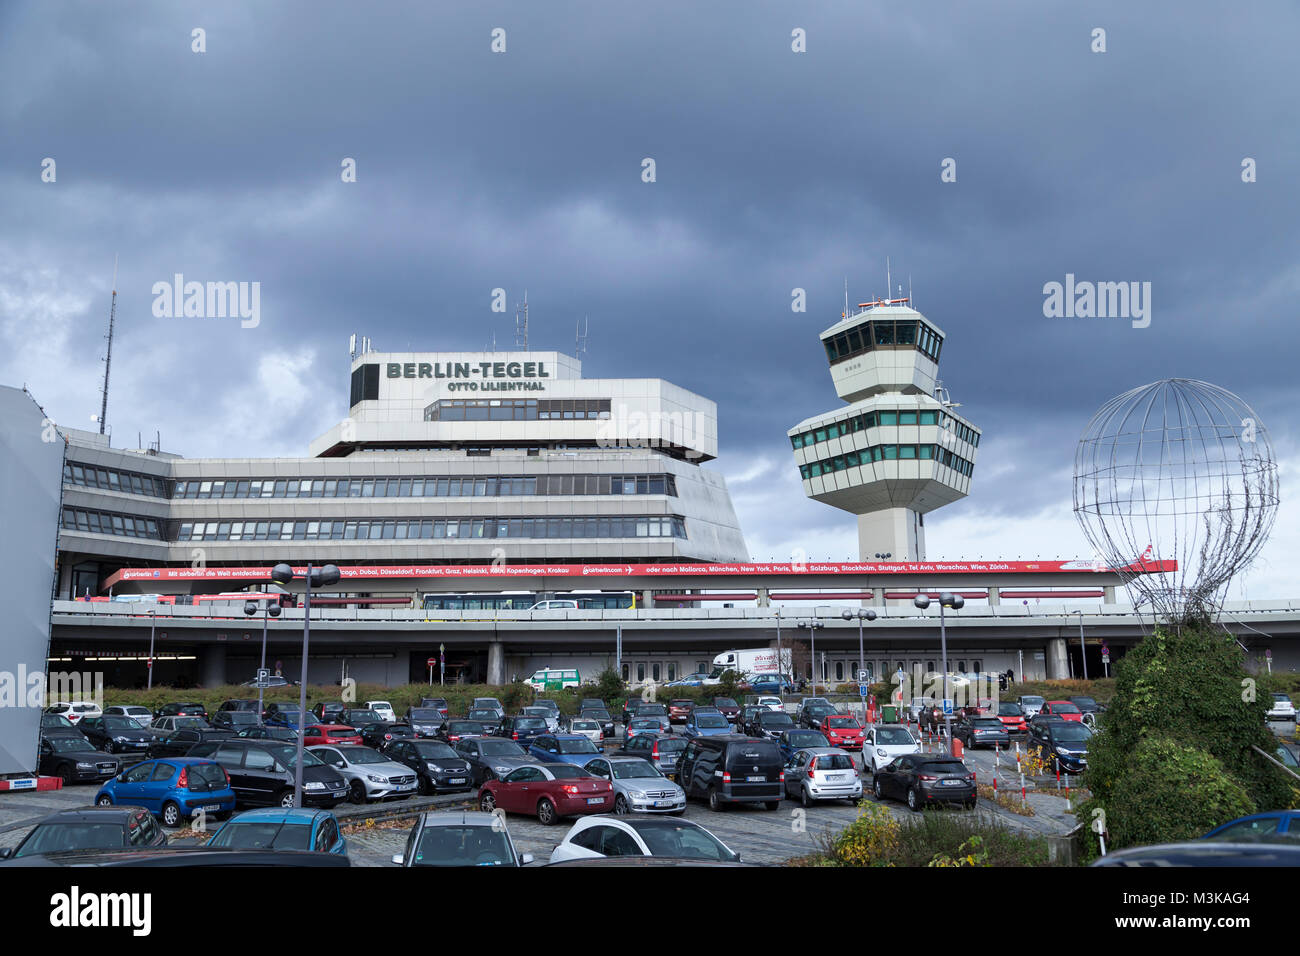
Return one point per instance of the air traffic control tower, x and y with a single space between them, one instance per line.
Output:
897 450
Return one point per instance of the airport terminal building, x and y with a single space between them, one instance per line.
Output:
445 458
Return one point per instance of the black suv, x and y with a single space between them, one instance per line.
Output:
730 768
1063 740
262 772
178 743
235 720
115 735
424 721
771 723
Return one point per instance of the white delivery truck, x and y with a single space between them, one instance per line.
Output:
758 660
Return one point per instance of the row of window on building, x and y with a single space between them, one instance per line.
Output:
860 423
833 671
876 453
516 409
397 529
422 487
883 333
101 522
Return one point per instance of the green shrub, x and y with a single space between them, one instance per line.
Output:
938 838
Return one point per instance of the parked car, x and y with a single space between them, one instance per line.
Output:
240 704
384 709
89 828
282 828
771 703
370 775
600 713
179 743
1013 718
549 705
563 748
772 723
74 761
522 730
454 730
797 738
141 715
293 718
437 703
166 725
376 735
679 709
745 719
1276 826
182 709
314 734
639 786
813 711
438 768
172 788
487 718
1030 705
658 711
587 727
269 733
727 707
235 720
980 732
922 780
771 684
705 723
732 769
1066 740
822 773
1281 708
1087 705
1063 709
262 772
660 750
57 725
460 838
1205 853
550 790
424 721
359 717
641 725
598 837
115 735
329 711
75 710
885 743
843 731
630 708
488 703
492 758
690 680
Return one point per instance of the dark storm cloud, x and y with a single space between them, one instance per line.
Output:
775 170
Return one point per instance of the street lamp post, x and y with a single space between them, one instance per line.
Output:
1083 651
269 611
862 614
954 601
812 651
321 577
153 621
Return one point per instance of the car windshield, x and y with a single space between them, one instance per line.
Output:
530 723
643 723
710 721
54 837
680 839
54 720
836 723
206 776
1084 701
363 755
986 724
894 737
724 702
120 723
241 717
1071 731
359 717
464 727
190 723
264 836
482 715
834 762
1064 708
632 769
770 718
944 766
1009 710
671 746
584 725
537 712
376 704
65 744
501 748
463 846
288 755
580 746
1281 697
567 771
682 703
434 749
1034 701
818 709
652 710
425 713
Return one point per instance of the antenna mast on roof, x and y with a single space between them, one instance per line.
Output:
108 356
888 288
846 297
521 324
580 338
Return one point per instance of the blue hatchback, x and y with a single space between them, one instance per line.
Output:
1276 826
172 788
282 828
706 723
564 748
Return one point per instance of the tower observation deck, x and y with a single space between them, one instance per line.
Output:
897 450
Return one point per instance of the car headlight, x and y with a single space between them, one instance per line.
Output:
501 769
119 740
313 785
434 767
374 779
881 753
636 794
85 766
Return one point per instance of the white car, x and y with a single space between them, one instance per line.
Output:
771 703
1282 708
384 709
141 715
588 728
74 710
884 742
601 836
555 606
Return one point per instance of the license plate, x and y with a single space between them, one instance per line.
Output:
953 783
211 808
457 780
406 786
663 803
595 799
837 776
756 779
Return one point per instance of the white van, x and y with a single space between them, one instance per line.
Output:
553 678
555 606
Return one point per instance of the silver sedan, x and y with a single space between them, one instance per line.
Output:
639 787
370 775
822 773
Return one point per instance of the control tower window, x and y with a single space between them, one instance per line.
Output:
884 332
904 333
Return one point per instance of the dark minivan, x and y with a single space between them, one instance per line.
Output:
730 768
262 772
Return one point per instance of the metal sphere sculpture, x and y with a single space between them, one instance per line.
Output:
1175 485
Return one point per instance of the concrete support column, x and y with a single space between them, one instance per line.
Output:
1109 594
646 601
1057 661
995 597
879 599
763 600
213 672
496 666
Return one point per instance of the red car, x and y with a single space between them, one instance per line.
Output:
551 791
844 731
1063 709
679 710
314 734
1012 717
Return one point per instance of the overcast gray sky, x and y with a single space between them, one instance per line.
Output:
774 170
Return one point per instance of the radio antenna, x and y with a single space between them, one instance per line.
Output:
521 324
108 356
580 338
